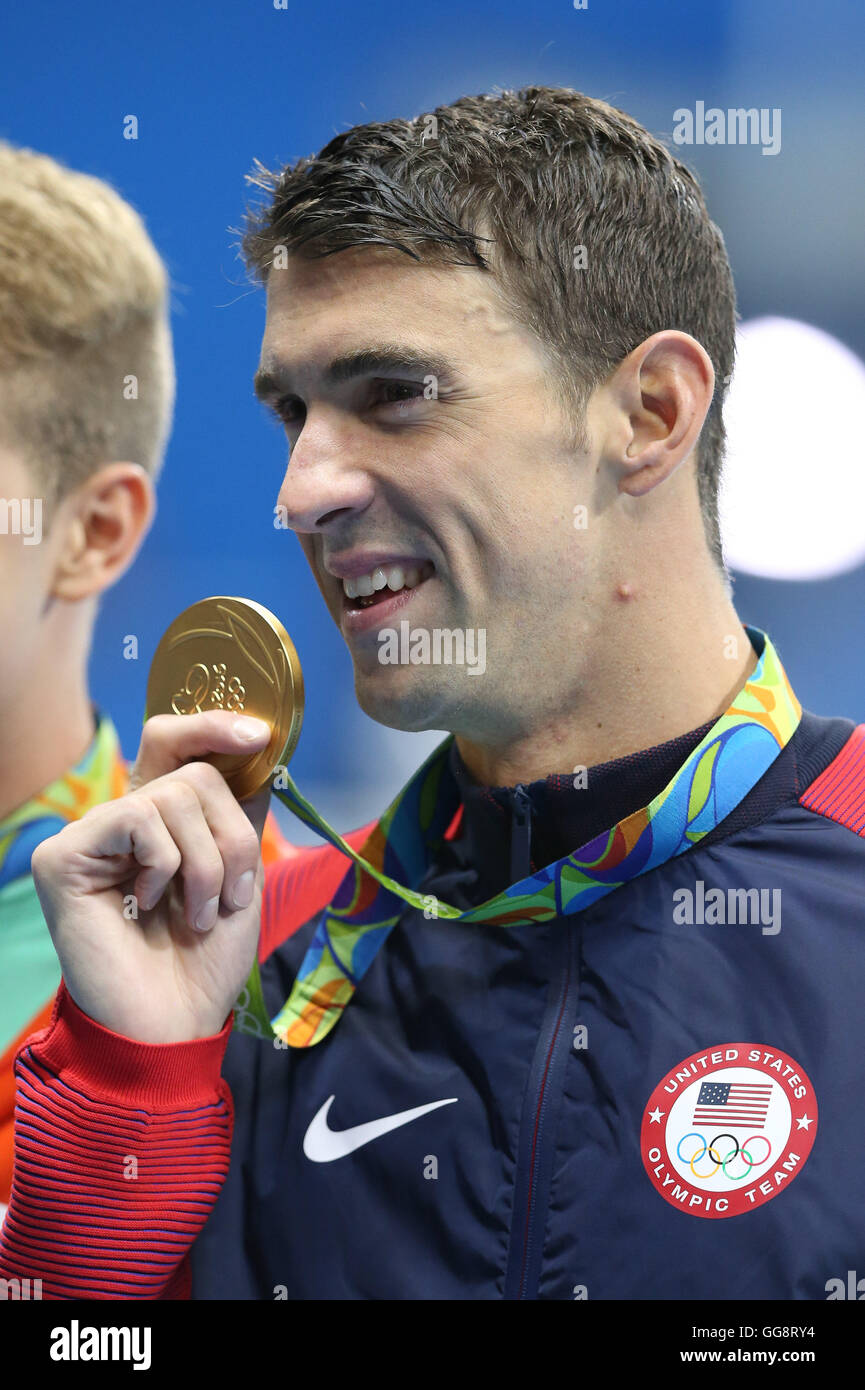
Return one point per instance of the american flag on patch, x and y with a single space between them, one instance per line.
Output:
739 1104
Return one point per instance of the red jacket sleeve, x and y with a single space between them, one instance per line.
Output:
121 1149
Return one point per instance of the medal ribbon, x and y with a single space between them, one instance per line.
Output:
714 779
99 776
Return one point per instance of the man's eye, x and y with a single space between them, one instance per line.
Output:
398 392
289 410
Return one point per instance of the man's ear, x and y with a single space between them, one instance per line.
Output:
663 389
100 528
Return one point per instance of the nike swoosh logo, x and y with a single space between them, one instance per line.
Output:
321 1144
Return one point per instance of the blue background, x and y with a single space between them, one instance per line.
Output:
215 85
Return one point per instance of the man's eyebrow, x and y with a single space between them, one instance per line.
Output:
272 380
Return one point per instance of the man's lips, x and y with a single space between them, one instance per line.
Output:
364 614
392 580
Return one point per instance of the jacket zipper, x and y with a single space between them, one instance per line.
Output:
538 1122
521 834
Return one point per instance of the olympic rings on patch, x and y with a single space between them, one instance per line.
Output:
702 1177
743 1153
729 1156
767 1154
740 1151
692 1135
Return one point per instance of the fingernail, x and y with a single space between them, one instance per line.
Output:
207 916
243 889
247 728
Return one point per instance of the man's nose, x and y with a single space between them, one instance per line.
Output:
325 478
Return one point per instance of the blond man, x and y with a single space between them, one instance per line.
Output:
86 397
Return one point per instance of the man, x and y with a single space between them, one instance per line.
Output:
630 975
86 394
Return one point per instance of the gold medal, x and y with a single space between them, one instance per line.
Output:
232 654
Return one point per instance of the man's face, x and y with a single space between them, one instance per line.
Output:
441 457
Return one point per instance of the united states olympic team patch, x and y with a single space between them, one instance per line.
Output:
728 1129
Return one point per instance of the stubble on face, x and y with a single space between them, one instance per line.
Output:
483 480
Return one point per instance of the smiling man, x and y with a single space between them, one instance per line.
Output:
467 493
524 1053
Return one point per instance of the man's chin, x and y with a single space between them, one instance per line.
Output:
401 698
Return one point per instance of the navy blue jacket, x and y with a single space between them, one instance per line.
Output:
549 1041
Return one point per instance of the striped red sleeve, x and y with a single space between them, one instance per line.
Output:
121 1149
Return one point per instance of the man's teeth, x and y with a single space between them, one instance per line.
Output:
394 577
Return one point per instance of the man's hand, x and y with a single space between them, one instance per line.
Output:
180 851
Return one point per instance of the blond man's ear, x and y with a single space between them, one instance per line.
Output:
99 529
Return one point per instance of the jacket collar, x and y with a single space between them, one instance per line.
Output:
508 833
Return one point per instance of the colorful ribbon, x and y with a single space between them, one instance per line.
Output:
714 779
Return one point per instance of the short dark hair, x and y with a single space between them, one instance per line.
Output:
516 183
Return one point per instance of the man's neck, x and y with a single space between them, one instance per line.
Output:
646 686
46 729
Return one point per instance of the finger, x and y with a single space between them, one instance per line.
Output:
232 831
202 870
109 843
170 740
